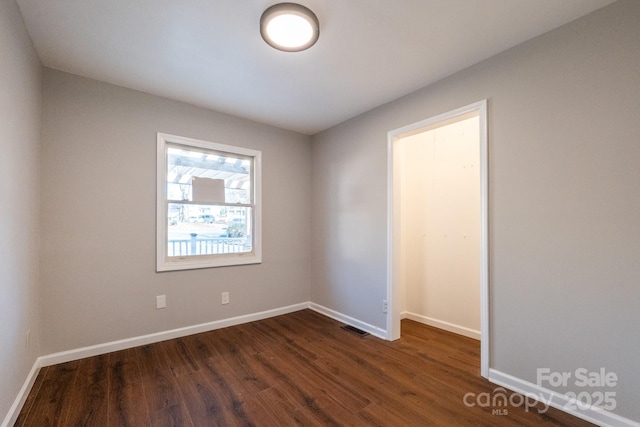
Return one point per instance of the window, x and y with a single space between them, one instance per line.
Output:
208 212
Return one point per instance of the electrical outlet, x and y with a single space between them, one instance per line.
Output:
161 301
385 306
225 298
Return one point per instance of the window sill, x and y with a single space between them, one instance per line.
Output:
197 262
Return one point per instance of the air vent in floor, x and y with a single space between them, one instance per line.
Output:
355 330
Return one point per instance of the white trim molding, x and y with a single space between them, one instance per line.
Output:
373 330
559 401
95 350
554 399
164 262
393 286
18 403
441 324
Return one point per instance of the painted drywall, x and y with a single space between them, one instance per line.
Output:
439 212
20 121
564 204
99 207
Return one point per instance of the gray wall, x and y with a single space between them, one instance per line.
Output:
20 121
564 206
98 224
564 150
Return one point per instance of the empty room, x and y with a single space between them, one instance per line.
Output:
345 212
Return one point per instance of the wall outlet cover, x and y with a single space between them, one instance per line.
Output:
161 301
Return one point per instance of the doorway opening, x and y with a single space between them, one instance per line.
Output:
438 225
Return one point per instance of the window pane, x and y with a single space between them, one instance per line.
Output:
208 229
208 204
233 170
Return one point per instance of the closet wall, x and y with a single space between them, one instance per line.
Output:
440 226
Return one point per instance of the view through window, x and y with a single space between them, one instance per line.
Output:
209 203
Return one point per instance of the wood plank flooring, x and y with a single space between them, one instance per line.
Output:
300 369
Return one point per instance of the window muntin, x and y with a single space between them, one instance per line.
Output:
208 204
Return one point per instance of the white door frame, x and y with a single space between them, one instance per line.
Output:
393 287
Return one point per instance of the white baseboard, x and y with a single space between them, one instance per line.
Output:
456 329
94 350
559 401
14 411
373 330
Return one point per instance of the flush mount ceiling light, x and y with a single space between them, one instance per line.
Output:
289 27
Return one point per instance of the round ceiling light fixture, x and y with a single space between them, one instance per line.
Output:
289 27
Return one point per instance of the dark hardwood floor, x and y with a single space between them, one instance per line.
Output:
297 369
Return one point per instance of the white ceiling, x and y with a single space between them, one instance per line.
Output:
210 53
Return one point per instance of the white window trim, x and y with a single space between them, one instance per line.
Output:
164 263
